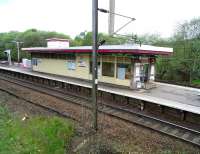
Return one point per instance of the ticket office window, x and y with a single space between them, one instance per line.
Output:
123 71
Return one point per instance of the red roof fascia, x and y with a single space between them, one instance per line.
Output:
147 52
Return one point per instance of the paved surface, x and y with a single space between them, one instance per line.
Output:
177 93
179 97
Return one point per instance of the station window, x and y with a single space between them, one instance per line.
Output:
34 61
108 69
123 71
61 56
71 61
71 65
36 55
91 67
71 57
46 55
41 55
51 55
98 63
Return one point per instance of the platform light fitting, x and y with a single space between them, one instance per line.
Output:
101 42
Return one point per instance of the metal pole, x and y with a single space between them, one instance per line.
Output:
9 59
111 18
18 52
94 61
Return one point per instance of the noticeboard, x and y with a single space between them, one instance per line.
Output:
71 64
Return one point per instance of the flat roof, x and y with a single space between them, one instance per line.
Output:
173 96
131 49
57 39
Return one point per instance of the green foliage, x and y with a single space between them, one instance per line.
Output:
31 38
196 81
182 66
85 39
36 135
152 39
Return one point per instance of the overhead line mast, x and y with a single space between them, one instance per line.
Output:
94 62
95 46
111 18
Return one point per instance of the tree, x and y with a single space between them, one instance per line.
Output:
184 65
31 38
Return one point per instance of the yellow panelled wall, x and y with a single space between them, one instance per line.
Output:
59 67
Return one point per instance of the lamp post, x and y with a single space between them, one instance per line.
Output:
8 52
18 48
94 62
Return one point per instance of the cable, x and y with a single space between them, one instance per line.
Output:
106 11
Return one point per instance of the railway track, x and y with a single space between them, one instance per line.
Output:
63 114
177 131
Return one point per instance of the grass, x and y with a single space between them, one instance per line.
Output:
36 135
196 81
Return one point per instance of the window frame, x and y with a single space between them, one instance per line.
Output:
112 69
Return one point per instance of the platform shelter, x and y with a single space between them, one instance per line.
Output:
127 65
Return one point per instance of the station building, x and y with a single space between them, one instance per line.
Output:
127 65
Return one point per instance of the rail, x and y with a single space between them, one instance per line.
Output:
159 125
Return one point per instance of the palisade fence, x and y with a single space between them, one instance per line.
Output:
179 71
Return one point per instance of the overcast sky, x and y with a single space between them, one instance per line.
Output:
74 16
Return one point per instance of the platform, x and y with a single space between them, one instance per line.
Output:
177 97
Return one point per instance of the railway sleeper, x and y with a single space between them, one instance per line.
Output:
169 112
